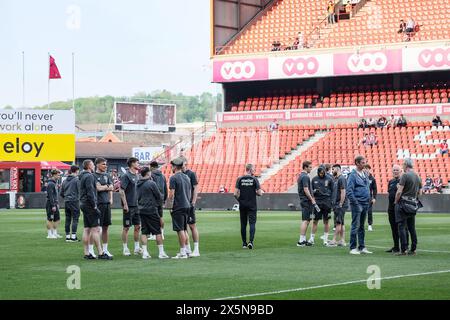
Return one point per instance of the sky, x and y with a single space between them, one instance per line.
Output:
121 48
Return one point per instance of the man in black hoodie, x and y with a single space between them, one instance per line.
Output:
52 206
91 215
373 196
161 182
149 198
70 191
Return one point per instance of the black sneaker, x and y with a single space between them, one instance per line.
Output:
250 245
75 240
89 257
104 256
68 239
301 244
411 253
309 244
244 245
392 250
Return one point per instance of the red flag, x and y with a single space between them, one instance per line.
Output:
53 72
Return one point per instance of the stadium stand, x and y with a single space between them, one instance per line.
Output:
376 23
349 96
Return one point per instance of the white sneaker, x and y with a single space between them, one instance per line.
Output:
108 254
51 237
365 251
341 243
57 236
126 252
355 251
195 254
93 254
138 251
180 256
322 237
163 256
146 255
152 237
311 241
331 244
369 228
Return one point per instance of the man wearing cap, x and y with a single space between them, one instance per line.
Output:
191 214
178 201
52 206
161 182
70 192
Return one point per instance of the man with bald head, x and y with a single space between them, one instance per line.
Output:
392 190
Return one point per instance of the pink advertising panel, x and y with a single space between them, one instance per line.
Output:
369 62
253 116
301 66
446 109
240 70
324 113
413 110
420 59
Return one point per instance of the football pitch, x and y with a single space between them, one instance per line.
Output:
33 267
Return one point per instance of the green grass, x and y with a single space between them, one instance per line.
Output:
32 267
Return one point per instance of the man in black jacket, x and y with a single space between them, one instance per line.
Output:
70 191
91 215
149 198
373 196
52 206
161 182
392 190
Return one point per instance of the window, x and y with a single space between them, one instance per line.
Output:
4 179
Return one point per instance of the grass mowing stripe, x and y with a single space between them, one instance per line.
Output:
330 285
424 250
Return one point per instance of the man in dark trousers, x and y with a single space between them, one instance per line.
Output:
149 198
179 202
340 205
91 215
192 221
307 202
373 196
408 190
70 191
323 190
128 195
247 188
392 190
161 182
52 206
105 187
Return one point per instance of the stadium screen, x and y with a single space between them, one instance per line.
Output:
144 116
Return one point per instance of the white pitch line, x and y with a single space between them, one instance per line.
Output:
424 250
331 285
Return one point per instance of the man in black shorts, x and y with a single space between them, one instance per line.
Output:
128 195
70 191
179 202
149 198
323 187
191 214
91 215
105 187
161 182
307 202
247 188
52 206
340 205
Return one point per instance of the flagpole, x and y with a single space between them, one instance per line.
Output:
23 79
48 86
73 80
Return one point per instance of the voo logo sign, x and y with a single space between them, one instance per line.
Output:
238 70
367 62
300 66
437 58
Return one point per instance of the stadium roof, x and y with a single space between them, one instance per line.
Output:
119 150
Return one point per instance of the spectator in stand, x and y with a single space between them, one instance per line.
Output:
300 40
410 26
382 122
372 123
437 121
273 126
391 122
116 180
276 46
330 12
365 140
222 189
402 27
438 184
349 9
401 122
428 185
363 124
444 147
373 139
